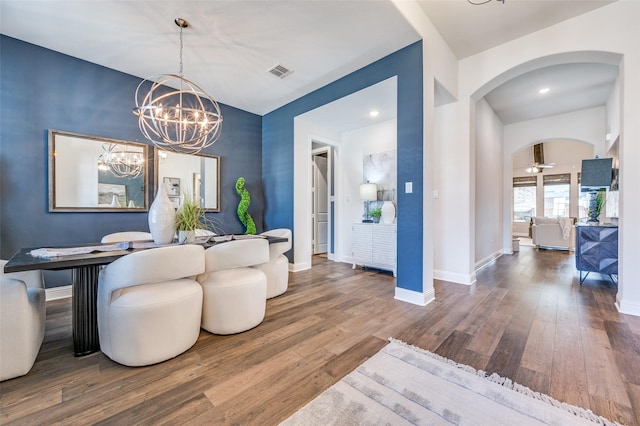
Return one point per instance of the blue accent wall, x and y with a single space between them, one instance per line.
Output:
277 152
41 89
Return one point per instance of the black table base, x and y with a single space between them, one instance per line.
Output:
84 310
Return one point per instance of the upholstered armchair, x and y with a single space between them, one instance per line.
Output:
234 292
22 316
554 232
277 268
119 237
149 306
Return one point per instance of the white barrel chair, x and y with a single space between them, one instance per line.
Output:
277 268
234 292
119 237
149 304
22 319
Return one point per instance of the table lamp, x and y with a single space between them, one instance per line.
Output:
368 193
595 176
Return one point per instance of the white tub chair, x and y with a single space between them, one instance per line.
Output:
119 237
234 292
22 316
277 268
149 306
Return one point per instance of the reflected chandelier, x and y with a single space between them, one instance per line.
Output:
122 162
184 119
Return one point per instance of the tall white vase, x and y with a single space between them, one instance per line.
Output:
388 212
162 217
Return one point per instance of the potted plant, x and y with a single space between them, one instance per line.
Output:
189 217
375 213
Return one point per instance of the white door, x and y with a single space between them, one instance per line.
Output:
320 211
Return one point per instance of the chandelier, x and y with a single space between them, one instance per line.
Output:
176 113
120 160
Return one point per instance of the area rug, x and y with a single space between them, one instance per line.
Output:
402 385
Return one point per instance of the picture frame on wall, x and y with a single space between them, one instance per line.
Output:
172 186
175 201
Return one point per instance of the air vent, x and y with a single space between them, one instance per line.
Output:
538 154
280 71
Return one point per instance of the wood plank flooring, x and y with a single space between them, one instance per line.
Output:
527 318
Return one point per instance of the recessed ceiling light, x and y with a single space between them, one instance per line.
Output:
374 113
544 90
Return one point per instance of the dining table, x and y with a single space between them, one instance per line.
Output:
85 262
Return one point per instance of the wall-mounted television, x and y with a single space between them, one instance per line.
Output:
596 174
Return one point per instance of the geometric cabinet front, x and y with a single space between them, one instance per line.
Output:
597 249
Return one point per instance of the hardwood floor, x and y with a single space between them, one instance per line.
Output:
527 318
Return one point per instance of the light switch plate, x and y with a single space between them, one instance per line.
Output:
408 187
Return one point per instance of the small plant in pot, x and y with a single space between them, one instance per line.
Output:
375 213
189 217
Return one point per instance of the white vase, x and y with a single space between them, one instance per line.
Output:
388 212
115 202
162 217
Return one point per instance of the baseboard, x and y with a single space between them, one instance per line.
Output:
483 263
297 267
415 297
454 277
627 307
56 293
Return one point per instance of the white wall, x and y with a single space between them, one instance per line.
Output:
488 185
587 125
304 133
613 115
448 218
353 147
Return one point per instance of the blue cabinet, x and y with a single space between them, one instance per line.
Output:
596 249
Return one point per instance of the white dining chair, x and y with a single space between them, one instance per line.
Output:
277 268
149 305
22 321
234 293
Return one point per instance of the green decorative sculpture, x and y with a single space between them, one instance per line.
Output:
243 207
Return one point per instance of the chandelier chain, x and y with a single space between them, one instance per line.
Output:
181 48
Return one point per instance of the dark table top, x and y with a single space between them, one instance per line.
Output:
24 261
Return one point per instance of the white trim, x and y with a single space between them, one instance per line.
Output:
300 266
627 307
415 297
56 293
454 277
483 263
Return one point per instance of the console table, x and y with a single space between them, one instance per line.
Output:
374 244
596 249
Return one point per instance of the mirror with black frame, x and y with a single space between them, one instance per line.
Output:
96 174
191 176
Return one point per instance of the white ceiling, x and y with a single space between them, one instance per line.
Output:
470 29
232 43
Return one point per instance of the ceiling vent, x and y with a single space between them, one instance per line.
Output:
280 71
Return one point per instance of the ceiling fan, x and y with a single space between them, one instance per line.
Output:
538 165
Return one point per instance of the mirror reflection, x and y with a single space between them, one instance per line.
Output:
91 173
189 175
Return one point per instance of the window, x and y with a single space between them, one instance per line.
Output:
556 195
524 198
